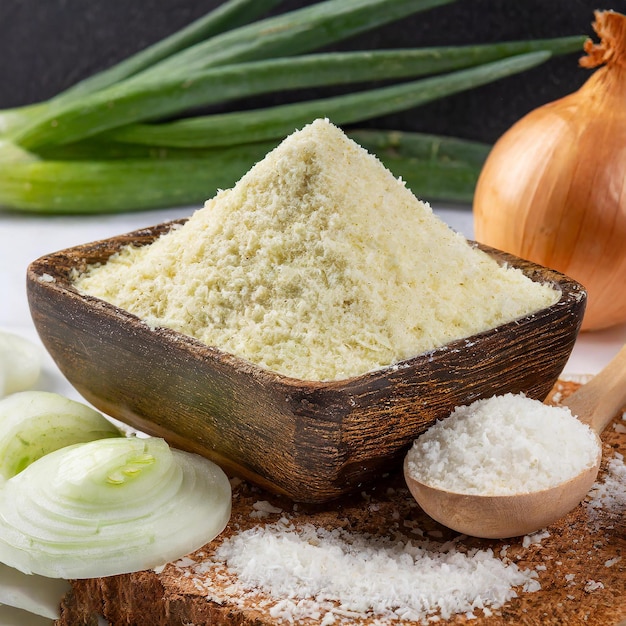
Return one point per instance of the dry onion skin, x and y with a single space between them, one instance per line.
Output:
553 188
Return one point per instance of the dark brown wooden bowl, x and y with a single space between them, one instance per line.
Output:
312 441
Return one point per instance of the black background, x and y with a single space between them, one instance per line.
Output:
47 45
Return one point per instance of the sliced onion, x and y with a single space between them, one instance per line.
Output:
110 507
20 363
12 616
38 595
34 423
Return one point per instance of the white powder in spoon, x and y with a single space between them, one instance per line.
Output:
503 445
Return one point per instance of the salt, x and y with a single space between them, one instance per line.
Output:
263 508
610 493
503 445
534 538
336 575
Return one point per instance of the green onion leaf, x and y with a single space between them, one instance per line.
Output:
109 143
270 123
155 176
421 146
118 106
231 14
106 186
288 34
119 184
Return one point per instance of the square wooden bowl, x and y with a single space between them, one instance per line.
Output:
312 441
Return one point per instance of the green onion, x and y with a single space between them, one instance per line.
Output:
291 33
113 143
227 16
406 145
35 423
257 125
129 103
13 119
109 507
106 186
433 167
448 181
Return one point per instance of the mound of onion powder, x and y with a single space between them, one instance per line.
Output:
503 445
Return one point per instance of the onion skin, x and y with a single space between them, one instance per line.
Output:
553 188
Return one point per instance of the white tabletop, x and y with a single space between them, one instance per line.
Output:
23 238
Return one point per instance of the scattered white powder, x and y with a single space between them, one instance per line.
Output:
534 538
331 575
620 428
503 445
610 493
593 585
319 264
184 562
263 508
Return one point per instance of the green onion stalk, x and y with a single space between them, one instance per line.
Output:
137 136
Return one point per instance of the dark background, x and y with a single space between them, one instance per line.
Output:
47 45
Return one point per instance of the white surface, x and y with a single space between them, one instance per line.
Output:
23 238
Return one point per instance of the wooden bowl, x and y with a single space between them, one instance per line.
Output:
312 441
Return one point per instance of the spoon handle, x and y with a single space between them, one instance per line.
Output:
599 400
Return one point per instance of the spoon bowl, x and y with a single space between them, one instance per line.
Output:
501 516
512 515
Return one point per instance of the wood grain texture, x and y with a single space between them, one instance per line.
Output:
312 441
582 577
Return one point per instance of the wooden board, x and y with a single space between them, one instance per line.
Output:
581 562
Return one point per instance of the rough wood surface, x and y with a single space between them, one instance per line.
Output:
313 441
582 562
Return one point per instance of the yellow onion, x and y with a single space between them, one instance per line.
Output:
553 188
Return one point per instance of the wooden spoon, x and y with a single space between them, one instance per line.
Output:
595 404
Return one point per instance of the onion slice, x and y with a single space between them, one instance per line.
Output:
37 595
20 363
12 616
34 423
110 507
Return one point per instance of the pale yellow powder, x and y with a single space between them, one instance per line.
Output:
318 264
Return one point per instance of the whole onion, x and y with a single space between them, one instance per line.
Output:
553 189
